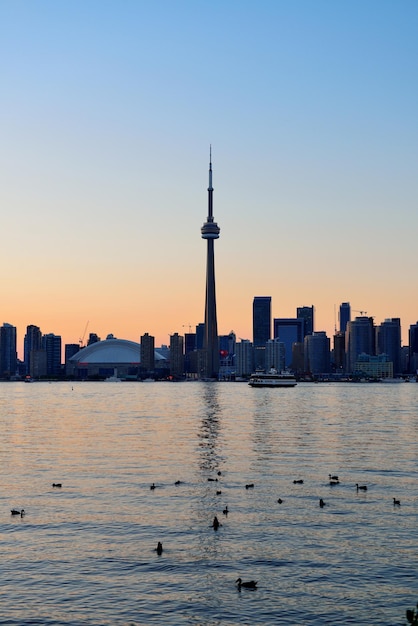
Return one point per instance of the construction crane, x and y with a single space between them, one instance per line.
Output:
81 340
361 312
189 326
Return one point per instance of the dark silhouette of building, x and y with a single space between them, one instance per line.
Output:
388 341
413 348
210 231
261 320
345 315
147 352
289 330
359 339
52 345
32 341
176 355
8 354
307 314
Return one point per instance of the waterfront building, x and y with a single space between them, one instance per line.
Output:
210 231
275 355
52 345
261 320
38 366
359 339
375 367
307 314
110 357
244 364
339 362
31 341
388 341
413 348
289 330
8 353
317 353
147 352
200 336
345 315
176 355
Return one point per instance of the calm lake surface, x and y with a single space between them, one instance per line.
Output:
84 554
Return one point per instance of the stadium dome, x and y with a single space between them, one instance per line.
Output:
103 357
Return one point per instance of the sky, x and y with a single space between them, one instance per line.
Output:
108 109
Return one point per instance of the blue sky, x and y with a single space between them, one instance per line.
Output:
108 110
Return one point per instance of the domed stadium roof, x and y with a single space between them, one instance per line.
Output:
113 351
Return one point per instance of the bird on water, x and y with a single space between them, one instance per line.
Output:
396 502
321 503
225 511
57 485
331 477
298 482
159 548
215 523
279 500
361 487
20 512
249 486
249 584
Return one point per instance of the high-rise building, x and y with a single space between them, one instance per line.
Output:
32 341
244 358
345 315
359 339
289 330
176 355
148 352
388 341
261 320
317 353
210 231
339 352
8 354
307 314
275 352
52 345
70 349
413 348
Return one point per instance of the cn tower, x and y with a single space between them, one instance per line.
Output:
210 231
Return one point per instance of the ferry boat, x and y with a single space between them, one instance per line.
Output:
273 378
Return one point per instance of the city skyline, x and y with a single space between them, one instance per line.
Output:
311 112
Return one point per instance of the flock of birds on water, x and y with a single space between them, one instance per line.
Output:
249 584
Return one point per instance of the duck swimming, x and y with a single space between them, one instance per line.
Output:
361 487
250 584
396 502
18 512
159 548
321 503
215 523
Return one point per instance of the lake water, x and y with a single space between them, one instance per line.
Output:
84 554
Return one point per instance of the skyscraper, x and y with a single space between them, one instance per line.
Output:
261 320
359 339
307 313
52 345
32 341
345 315
210 231
389 342
147 352
8 354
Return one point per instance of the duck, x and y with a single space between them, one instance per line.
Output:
212 480
249 486
321 503
159 548
298 482
57 485
152 487
249 584
361 487
396 502
225 511
178 482
333 477
218 493
215 523
280 501
20 512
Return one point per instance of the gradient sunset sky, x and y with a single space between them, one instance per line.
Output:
108 109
